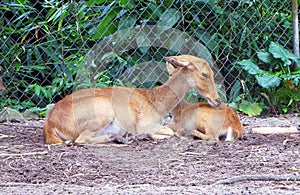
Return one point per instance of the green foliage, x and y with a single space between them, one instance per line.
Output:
251 109
43 43
36 52
242 100
279 84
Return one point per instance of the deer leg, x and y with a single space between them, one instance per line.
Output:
90 137
162 132
180 136
198 134
203 136
178 131
106 133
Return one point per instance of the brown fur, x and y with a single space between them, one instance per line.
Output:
205 122
97 115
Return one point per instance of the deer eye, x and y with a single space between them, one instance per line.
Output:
204 74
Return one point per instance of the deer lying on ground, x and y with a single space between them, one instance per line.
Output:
207 123
203 121
100 115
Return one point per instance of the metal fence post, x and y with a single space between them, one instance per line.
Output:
295 29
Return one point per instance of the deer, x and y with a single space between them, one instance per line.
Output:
206 122
203 121
101 115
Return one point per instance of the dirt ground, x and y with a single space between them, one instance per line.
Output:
257 164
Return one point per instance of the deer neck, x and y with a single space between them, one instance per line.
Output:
168 95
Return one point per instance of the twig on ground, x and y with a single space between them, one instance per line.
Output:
268 177
104 145
67 176
4 135
136 186
21 184
24 154
198 155
21 125
166 166
61 154
191 154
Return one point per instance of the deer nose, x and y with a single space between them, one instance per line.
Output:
218 101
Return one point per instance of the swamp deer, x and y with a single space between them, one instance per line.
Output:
99 115
203 121
207 123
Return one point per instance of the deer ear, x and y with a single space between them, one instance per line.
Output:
175 62
170 68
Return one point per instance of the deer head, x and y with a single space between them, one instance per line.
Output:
199 76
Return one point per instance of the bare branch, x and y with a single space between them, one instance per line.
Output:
268 177
24 154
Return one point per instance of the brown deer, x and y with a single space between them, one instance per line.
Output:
99 115
207 123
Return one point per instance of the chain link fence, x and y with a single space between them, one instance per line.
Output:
50 48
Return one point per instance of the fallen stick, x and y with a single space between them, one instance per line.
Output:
269 177
22 125
21 184
24 154
275 130
104 145
3 135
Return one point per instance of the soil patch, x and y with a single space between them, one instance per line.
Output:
260 163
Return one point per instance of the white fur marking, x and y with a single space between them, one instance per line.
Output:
111 128
229 136
184 63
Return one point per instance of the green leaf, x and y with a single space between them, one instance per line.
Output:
34 67
250 67
233 105
207 40
23 16
29 57
290 76
38 55
93 2
169 18
37 90
211 4
278 51
58 69
155 10
265 57
106 26
284 109
44 92
243 37
128 4
127 21
235 90
268 81
143 42
251 109
59 12
50 53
